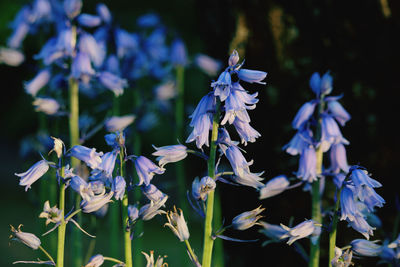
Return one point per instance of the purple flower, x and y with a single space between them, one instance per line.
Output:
348 205
104 12
326 84
95 261
330 132
119 185
72 8
148 211
303 115
361 225
251 76
46 105
33 174
77 183
298 143
274 187
315 83
91 47
301 230
167 154
178 53
133 213
88 20
200 189
87 155
38 82
275 232
207 64
245 131
338 158
91 203
222 86
308 165
127 43
233 58
148 20
119 123
365 248
113 82
247 219
338 112
28 239
81 67
152 193
146 169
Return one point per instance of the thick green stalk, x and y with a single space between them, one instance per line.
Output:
61 228
332 234
208 241
217 223
125 217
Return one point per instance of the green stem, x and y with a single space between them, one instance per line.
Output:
192 255
219 248
125 217
47 254
61 228
208 241
332 234
114 260
72 214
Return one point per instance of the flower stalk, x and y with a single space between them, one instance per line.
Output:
62 227
332 234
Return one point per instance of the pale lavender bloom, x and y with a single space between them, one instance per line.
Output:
148 211
361 178
200 189
150 260
308 165
133 213
233 58
301 230
112 64
88 20
87 155
104 12
119 123
338 112
152 193
178 53
52 215
315 83
274 187
28 239
97 187
38 82
18 35
275 232
176 222
81 67
361 225
338 158
95 261
245 131
298 143
113 82
207 64
119 185
89 46
65 44
146 169
167 154
46 105
222 86
247 219
77 183
11 56
50 51
330 132
348 204
338 179
304 114
165 91
93 203
252 76
127 43
72 8
326 84
224 140
365 248
340 259
370 198
389 255
33 174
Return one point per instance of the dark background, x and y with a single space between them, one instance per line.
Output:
357 41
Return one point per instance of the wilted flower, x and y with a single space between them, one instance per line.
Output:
52 215
87 155
365 248
146 169
46 105
95 261
247 219
119 185
119 123
176 222
150 260
33 174
301 230
274 187
28 239
200 189
58 147
167 154
148 211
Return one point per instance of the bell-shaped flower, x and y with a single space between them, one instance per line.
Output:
299 142
338 158
108 162
33 174
152 192
38 82
233 58
46 105
273 231
308 165
302 230
88 20
118 187
222 87
18 35
11 57
304 114
146 169
251 76
95 261
119 123
207 64
92 48
133 213
167 154
224 140
176 222
115 140
52 215
104 12
178 53
77 183
113 82
247 219
245 131
28 239
81 67
72 8
148 211
361 225
274 187
93 203
63 46
58 147
370 198
361 178
201 188
366 248
87 155
326 84
330 132
338 112
315 83
127 43
348 204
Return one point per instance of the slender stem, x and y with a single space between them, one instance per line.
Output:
113 260
332 234
72 214
61 228
125 217
208 241
47 254
192 255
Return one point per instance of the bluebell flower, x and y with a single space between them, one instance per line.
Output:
361 178
304 114
201 188
115 140
302 230
315 83
18 35
97 187
87 155
348 204
65 44
77 183
91 203
148 211
46 105
152 193
308 165
52 215
104 12
28 239
119 185
167 154
273 231
81 67
330 132
176 222
108 162
326 84
338 158
224 140
251 76
95 261
10 56
338 112
33 174
148 20
222 87
165 91
72 8
89 45
245 131
370 198
207 64
155 47
113 82
133 213
178 53
299 142
50 52
58 147
150 260
362 247
233 58
112 64
361 225
146 169
274 187
119 123
38 82
88 20
247 219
